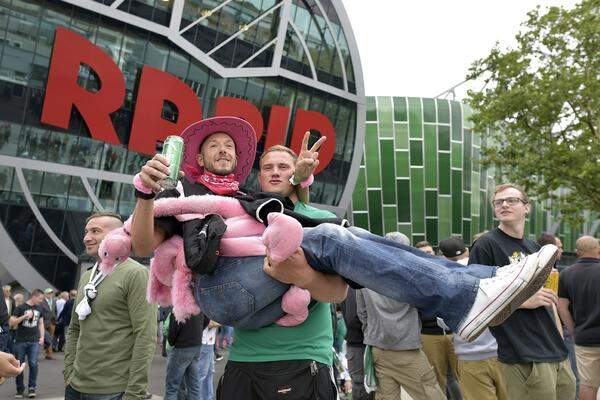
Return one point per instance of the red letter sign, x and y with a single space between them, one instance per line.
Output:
148 125
232 107
314 121
63 92
278 126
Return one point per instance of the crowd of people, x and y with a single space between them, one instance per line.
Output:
30 327
474 322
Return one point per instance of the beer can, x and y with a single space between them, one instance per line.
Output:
552 281
173 152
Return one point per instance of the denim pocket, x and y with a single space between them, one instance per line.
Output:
227 303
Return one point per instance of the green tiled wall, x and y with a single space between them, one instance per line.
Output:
420 174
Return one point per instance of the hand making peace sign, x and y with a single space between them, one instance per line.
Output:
308 160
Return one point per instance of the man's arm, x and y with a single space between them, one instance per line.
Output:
565 314
296 271
542 298
361 308
143 322
14 322
145 237
41 326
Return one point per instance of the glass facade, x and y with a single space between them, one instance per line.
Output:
420 175
52 179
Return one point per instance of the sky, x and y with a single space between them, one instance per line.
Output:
423 48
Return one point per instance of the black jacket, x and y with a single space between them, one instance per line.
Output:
354 333
188 333
4 316
64 318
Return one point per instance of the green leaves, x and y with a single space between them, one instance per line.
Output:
541 107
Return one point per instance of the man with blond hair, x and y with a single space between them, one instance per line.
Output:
530 346
579 300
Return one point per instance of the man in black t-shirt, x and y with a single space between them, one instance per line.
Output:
28 320
530 347
579 305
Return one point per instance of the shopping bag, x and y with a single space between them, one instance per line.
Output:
369 366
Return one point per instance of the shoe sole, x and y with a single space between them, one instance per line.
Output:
534 285
512 303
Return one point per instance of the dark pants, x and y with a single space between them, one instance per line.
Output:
288 380
72 394
59 337
4 342
355 356
29 350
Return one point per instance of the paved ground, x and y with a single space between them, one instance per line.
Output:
50 381
50 384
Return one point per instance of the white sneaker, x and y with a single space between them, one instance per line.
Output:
542 256
498 297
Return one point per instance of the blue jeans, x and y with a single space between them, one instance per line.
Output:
183 364
31 350
240 294
72 394
207 372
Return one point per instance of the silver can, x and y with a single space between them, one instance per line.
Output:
173 152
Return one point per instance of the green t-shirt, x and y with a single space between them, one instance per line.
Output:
311 340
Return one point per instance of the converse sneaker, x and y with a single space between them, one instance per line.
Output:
498 297
19 394
541 255
31 393
546 258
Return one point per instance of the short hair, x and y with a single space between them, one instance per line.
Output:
423 243
546 238
73 293
6 287
505 186
36 292
398 237
103 214
279 147
587 244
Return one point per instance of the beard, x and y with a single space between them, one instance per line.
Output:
221 171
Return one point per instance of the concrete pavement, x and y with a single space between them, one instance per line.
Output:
50 384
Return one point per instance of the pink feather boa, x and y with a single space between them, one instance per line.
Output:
170 279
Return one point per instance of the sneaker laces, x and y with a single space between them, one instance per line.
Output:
510 268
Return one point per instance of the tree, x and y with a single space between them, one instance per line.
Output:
541 107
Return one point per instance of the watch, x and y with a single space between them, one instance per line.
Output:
292 181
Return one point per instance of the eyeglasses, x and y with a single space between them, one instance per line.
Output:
511 201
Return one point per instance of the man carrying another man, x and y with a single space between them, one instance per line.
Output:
227 147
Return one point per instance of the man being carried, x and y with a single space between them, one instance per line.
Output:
467 303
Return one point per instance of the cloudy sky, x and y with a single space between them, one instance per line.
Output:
424 47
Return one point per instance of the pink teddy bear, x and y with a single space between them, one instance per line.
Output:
170 279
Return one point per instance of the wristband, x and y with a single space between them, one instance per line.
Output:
141 191
139 186
309 181
144 196
304 184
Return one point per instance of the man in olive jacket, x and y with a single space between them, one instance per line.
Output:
110 345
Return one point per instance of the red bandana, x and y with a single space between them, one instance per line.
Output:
220 185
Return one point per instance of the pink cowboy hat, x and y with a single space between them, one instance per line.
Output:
240 131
